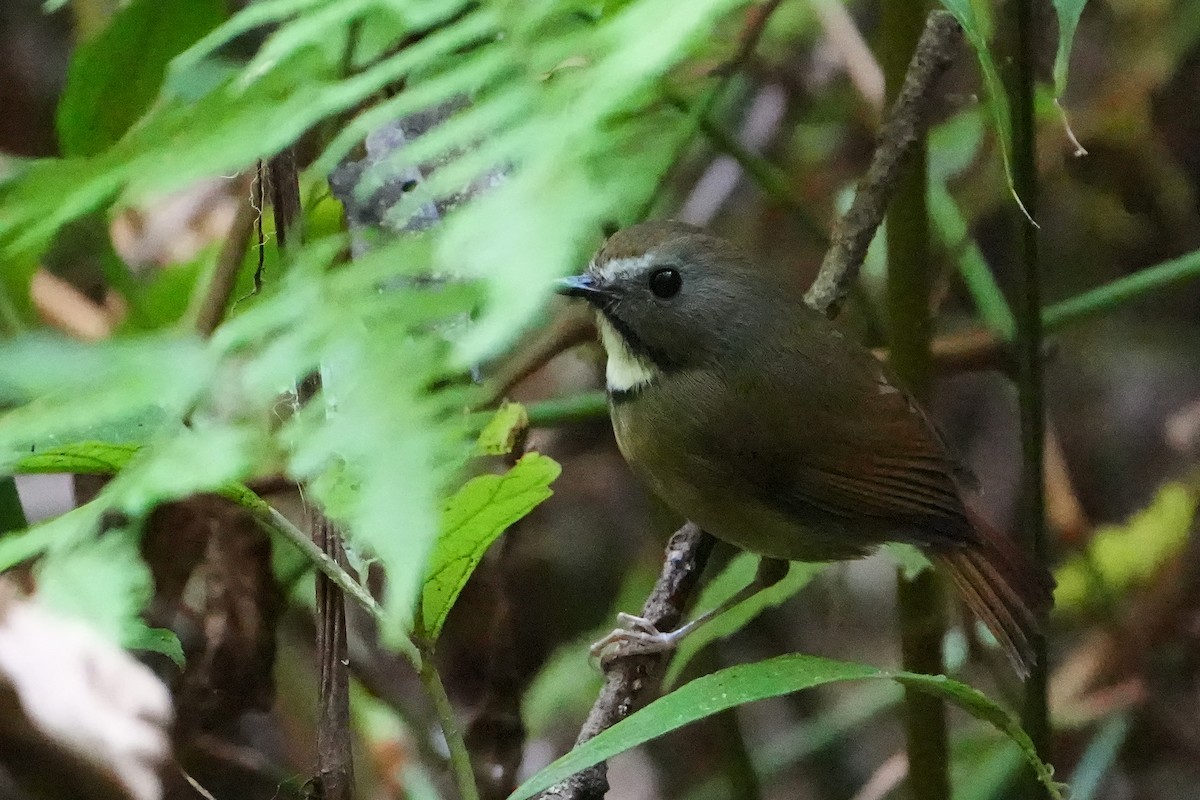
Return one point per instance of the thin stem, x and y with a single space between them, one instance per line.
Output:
223 279
920 602
1028 309
1111 295
566 410
460 757
275 522
972 266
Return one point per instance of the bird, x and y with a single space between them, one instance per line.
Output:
757 418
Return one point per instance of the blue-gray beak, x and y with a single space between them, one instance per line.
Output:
584 286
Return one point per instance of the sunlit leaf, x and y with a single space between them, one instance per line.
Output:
103 582
498 436
473 518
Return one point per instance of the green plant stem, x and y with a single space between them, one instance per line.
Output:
1028 309
920 602
1112 295
567 410
972 266
460 757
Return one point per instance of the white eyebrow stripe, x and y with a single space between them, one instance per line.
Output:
616 268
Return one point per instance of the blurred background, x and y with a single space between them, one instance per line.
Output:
1123 444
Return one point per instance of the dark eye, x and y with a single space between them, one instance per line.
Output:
665 282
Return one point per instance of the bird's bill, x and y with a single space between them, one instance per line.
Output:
585 286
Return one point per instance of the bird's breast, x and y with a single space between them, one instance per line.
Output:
666 431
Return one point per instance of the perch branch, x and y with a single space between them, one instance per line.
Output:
630 682
856 228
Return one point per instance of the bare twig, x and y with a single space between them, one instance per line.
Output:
233 251
856 228
629 682
334 777
285 197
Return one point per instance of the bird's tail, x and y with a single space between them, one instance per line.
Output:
1004 586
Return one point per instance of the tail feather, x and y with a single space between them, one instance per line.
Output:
1004 586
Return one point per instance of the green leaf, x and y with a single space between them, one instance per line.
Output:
114 77
472 519
736 575
84 458
1120 556
498 437
976 23
193 461
982 764
747 683
157 640
1068 12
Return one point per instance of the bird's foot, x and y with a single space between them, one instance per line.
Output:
636 636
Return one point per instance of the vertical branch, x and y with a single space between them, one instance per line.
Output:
283 178
1020 87
919 599
334 768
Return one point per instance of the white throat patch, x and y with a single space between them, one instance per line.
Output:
626 371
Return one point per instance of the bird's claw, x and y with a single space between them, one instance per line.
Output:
636 636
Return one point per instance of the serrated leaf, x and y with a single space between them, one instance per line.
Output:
114 77
193 461
1120 556
747 683
498 436
472 519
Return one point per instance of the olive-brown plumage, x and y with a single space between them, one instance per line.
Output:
752 415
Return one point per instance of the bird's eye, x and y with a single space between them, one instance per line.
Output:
665 282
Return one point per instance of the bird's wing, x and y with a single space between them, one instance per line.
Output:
855 447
